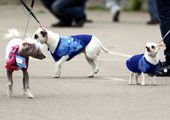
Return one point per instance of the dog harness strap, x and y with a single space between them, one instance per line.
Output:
30 11
71 45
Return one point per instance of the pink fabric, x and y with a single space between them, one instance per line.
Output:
11 63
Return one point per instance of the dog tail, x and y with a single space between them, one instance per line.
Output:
105 49
12 33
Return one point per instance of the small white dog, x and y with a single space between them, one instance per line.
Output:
17 58
144 63
64 48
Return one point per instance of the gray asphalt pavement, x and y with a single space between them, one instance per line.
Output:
74 96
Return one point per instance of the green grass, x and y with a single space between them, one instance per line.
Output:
97 8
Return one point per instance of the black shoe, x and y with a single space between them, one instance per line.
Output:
163 70
88 21
164 65
62 24
116 16
80 22
153 22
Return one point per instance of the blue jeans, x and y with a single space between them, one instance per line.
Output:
66 10
164 15
153 11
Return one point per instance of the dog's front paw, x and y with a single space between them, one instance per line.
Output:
155 84
56 76
138 83
28 94
143 84
96 71
90 76
129 83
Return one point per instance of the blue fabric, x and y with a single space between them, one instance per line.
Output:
153 10
66 10
139 64
71 45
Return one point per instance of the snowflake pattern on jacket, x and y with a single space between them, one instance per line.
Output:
71 45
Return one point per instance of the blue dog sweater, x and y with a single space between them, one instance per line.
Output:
139 64
71 45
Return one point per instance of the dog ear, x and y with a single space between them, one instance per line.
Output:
28 45
161 45
25 44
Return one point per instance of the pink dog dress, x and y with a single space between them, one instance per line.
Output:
11 63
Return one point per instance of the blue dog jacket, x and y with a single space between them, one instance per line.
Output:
139 64
71 45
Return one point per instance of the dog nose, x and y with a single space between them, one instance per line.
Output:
148 49
44 57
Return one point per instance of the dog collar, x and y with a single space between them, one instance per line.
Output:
47 43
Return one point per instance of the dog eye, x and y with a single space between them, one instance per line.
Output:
153 47
36 36
43 33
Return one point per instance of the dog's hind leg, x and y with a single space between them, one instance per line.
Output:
10 83
97 60
93 65
26 87
131 78
58 66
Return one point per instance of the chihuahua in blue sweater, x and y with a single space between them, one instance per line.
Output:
142 64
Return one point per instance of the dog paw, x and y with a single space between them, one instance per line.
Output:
155 84
138 84
56 76
90 76
28 94
129 83
143 84
9 94
96 71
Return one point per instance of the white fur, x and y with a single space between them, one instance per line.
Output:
14 35
92 51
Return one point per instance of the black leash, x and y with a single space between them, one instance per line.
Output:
32 3
164 36
30 11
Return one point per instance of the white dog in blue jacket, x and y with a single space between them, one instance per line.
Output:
144 63
64 48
